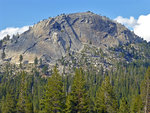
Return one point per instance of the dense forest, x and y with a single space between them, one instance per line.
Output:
121 90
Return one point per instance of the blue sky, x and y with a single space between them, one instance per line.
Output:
18 13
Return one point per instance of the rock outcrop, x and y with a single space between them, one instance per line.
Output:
51 39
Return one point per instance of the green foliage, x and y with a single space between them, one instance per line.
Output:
101 53
41 62
54 97
77 100
124 107
136 105
93 90
8 104
36 61
44 69
20 58
24 103
145 90
106 101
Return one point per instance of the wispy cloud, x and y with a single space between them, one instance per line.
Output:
140 26
13 31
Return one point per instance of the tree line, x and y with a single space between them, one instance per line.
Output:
124 90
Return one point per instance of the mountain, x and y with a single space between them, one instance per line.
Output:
73 38
113 61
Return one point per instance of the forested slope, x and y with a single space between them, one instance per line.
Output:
122 90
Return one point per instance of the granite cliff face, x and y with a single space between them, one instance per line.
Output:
53 38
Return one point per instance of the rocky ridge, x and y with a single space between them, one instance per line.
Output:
73 36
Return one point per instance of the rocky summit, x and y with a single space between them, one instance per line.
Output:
73 35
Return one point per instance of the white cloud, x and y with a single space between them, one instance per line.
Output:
12 31
140 26
130 23
143 27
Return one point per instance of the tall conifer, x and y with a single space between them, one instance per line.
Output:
53 100
105 98
77 100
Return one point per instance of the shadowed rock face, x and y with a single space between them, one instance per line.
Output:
50 39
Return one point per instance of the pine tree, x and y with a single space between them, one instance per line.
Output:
28 105
24 104
54 99
69 104
8 104
145 91
44 69
41 62
3 105
20 60
136 105
21 99
77 100
124 107
105 98
36 61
